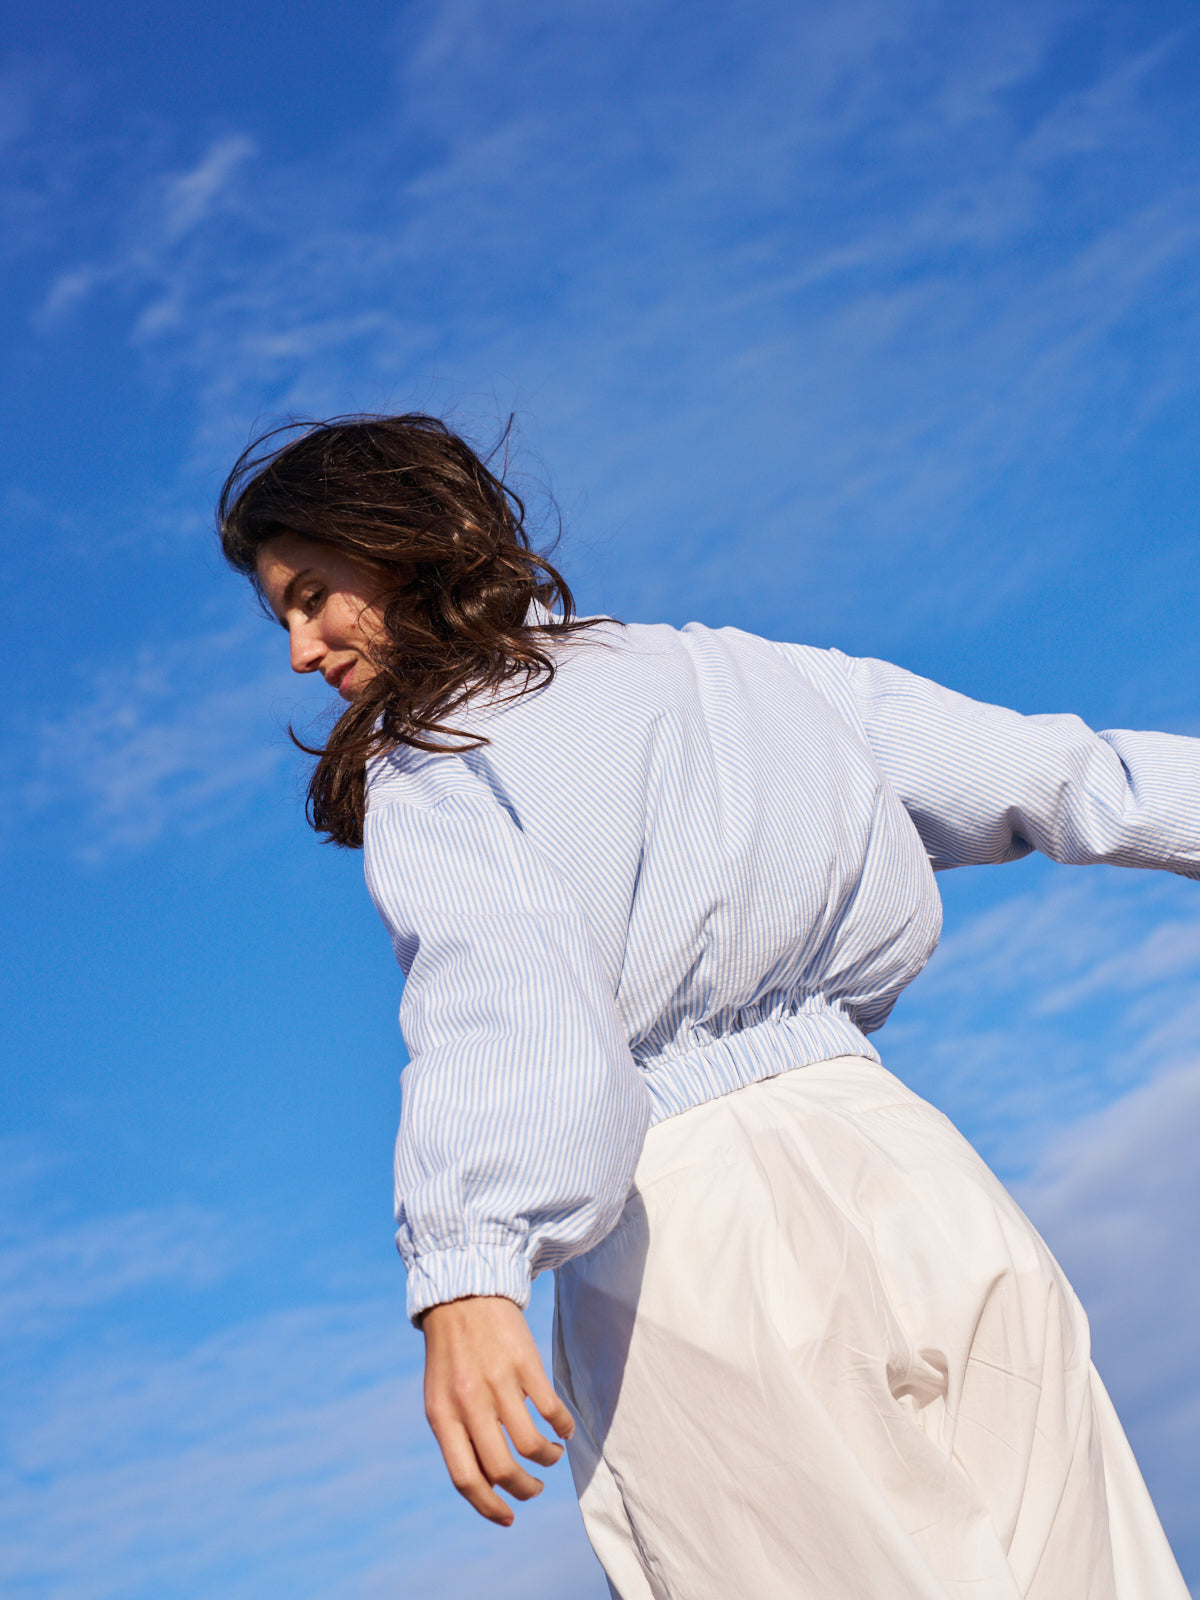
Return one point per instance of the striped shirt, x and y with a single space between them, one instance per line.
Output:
694 860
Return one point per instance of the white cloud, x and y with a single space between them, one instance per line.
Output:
180 738
795 268
47 1279
287 1452
1059 1029
1071 936
285 1455
69 289
1042 1008
793 289
1091 119
1118 1200
668 248
190 198
137 218
798 296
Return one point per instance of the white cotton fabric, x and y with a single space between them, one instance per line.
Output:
694 861
824 1355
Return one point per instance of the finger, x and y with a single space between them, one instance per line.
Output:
467 1475
546 1398
526 1438
498 1464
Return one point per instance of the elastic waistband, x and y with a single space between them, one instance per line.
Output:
680 1081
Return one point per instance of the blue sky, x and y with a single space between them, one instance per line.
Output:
867 324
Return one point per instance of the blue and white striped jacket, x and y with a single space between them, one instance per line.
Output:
694 860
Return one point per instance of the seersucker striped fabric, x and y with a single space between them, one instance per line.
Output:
695 860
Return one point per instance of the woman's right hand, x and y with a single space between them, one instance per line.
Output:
480 1366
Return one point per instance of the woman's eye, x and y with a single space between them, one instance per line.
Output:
312 602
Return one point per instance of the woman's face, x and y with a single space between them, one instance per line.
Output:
327 601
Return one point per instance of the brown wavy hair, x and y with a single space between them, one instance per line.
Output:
446 538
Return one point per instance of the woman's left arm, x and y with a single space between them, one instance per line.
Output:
985 784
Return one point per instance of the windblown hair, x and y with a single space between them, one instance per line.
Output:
446 539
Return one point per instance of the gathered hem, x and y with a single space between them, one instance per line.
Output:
681 1082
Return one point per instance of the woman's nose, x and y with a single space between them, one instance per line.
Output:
307 650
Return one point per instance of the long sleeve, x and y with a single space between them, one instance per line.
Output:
523 1113
984 784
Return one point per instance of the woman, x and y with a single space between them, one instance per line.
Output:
637 879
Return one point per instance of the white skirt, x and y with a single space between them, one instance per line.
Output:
824 1356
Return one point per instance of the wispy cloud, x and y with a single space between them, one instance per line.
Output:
1043 1008
189 198
822 310
169 206
760 253
1118 1198
285 1454
288 1451
1059 1030
48 1278
180 737
797 266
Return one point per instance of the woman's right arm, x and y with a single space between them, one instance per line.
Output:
481 1365
522 1119
523 1113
